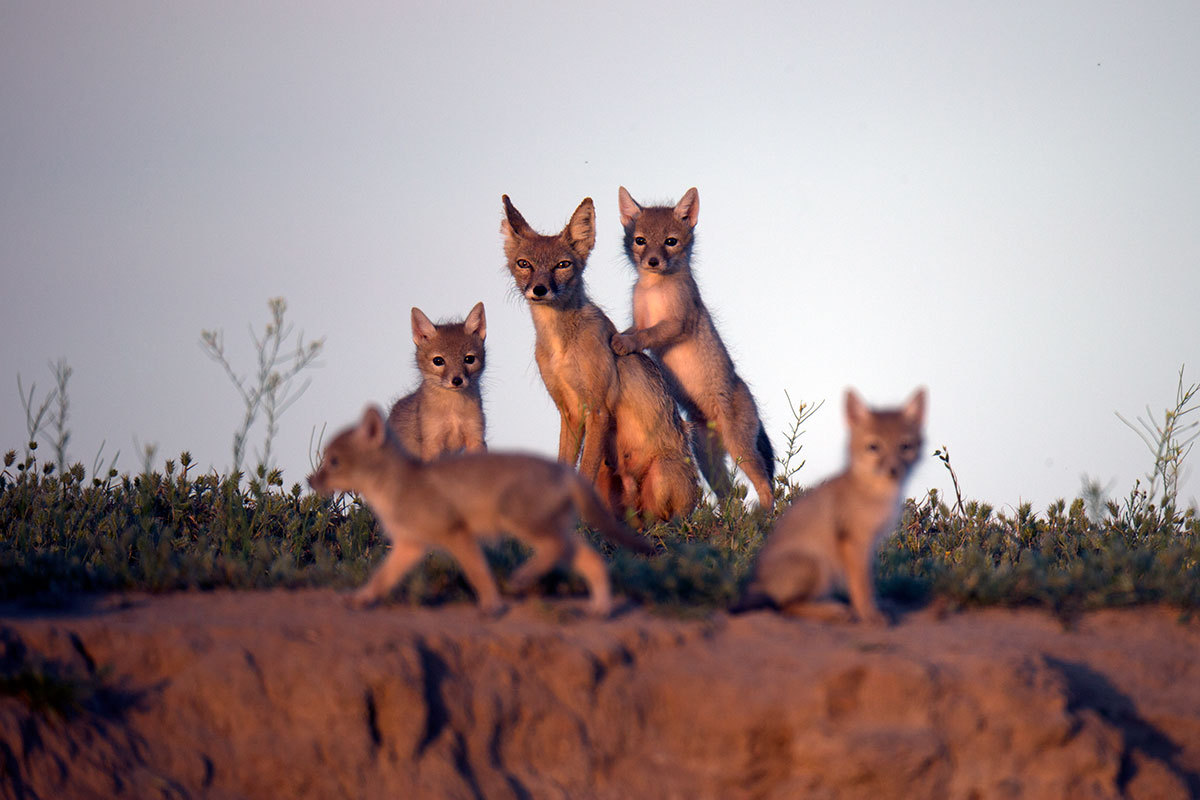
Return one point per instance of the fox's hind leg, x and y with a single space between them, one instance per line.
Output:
547 554
744 437
469 555
710 455
588 563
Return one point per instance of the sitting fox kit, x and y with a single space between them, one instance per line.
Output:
617 419
445 413
828 538
671 321
455 502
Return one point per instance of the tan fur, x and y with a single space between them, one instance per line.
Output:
445 413
829 537
671 321
455 502
612 411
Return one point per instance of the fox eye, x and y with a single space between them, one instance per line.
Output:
438 361
639 240
671 241
563 265
873 447
469 360
333 462
907 447
523 264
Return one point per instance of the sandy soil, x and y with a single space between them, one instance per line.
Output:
291 694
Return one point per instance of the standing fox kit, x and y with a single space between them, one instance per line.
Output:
445 413
671 321
617 419
453 503
828 538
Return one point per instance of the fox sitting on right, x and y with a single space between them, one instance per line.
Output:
828 538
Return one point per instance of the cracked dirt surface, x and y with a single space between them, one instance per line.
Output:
291 694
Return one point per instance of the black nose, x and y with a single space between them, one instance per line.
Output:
653 261
894 472
540 290
457 381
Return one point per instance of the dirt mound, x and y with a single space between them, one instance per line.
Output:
290 694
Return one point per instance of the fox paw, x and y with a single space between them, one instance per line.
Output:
361 599
622 345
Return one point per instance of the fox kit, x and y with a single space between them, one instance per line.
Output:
454 502
616 416
445 413
671 321
829 536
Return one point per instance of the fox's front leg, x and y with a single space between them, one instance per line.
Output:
399 560
596 435
657 335
859 563
569 436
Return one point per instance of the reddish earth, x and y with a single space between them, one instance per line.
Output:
290 694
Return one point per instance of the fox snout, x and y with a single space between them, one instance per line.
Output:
318 483
459 381
539 291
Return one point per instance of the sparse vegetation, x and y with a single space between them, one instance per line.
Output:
182 529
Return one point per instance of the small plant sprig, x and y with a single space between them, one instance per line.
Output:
1169 441
273 388
943 454
801 413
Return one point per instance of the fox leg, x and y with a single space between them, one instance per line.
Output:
399 560
469 555
588 563
710 455
859 563
547 554
739 426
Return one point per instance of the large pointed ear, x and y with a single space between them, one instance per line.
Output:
423 330
914 409
372 426
688 208
580 233
475 323
856 410
513 223
630 210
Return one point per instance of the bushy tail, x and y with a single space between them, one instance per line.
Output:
766 452
597 516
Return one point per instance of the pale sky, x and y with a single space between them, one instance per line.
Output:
997 201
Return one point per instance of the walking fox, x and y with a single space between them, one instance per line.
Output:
453 503
828 537
671 321
445 413
617 418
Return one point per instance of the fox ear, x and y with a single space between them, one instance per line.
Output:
688 208
630 210
580 233
422 328
914 409
856 409
513 223
476 324
372 426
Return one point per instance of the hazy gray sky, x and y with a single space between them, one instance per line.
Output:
996 201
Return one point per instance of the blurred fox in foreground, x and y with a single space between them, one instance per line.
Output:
828 538
445 413
455 502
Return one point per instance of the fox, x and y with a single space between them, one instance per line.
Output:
445 413
829 537
617 420
671 321
456 502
